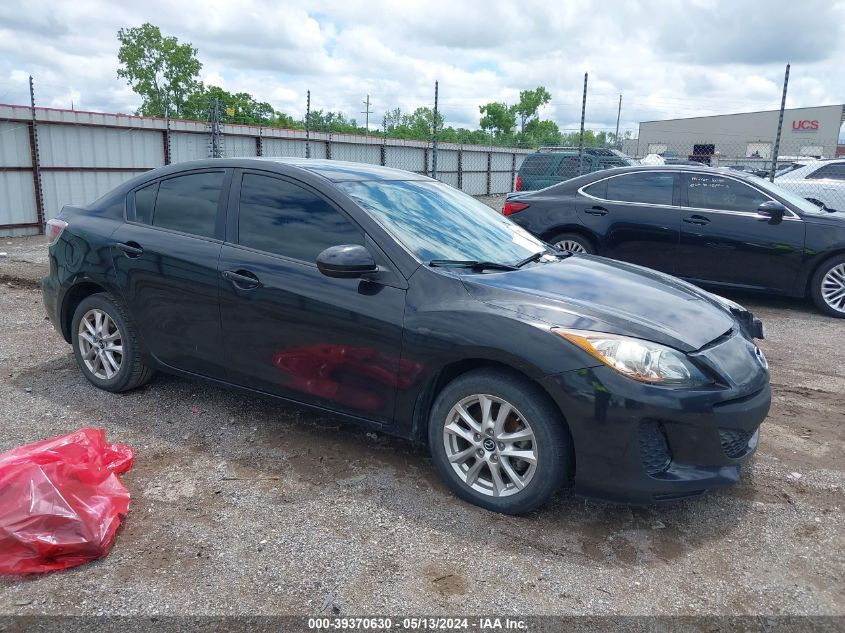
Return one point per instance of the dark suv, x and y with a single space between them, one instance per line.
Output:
551 165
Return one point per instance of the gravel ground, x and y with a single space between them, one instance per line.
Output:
253 507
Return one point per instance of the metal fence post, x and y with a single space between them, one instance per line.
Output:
384 145
581 137
434 136
329 145
307 131
461 167
36 161
489 170
425 161
513 171
259 143
780 126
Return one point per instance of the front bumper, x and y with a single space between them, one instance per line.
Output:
642 443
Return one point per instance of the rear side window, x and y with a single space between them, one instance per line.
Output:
283 218
835 171
706 191
145 199
189 203
536 165
571 166
645 188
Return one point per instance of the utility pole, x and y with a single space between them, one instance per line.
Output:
434 136
581 137
780 126
367 112
618 115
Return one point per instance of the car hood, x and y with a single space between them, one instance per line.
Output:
593 293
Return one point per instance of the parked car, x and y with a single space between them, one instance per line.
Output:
715 227
552 165
822 182
412 308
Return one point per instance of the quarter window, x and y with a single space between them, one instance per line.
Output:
283 218
536 165
145 199
643 188
706 191
836 171
189 203
572 166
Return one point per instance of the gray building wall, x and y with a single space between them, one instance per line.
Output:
740 135
82 155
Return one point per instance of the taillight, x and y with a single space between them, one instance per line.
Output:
54 230
519 183
513 207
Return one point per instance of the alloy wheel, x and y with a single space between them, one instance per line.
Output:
100 344
833 288
490 445
572 246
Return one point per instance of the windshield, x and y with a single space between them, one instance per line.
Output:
802 204
437 222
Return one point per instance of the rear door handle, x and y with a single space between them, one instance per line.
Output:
698 220
130 249
242 279
596 211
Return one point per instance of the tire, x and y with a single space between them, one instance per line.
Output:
573 242
827 287
449 435
115 331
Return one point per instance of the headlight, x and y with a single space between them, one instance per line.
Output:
638 359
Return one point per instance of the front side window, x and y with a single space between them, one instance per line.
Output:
189 203
836 171
283 218
707 191
435 221
639 188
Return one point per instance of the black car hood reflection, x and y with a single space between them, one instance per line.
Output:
594 293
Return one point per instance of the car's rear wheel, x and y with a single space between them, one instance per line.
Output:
498 441
828 287
573 242
105 345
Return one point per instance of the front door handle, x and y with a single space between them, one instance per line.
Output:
130 249
596 210
698 220
242 279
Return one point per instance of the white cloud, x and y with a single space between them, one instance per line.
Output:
667 59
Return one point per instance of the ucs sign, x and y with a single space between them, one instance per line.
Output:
805 126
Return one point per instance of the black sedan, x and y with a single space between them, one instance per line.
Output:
714 227
410 307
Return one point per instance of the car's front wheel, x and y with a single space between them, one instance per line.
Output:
498 441
105 345
573 242
828 287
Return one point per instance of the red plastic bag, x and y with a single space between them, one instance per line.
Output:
61 501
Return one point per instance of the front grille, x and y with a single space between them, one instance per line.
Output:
735 441
654 449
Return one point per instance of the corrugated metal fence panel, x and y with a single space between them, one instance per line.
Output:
475 160
284 147
449 178
17 198
14 145
185 146
447 160
239 146
500 182
501 162
75 187
86 146
357 153
475 184
408 158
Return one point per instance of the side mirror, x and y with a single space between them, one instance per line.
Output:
772 211
347 261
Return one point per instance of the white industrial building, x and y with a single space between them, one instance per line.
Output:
748 135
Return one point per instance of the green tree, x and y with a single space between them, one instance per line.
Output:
498 119
529 103
539 133
158 68
240 107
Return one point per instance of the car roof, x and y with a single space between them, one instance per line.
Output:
332 170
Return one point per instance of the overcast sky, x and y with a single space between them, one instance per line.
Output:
668 59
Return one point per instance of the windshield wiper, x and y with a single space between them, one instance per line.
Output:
537 256
469 263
